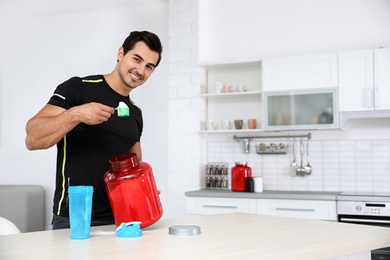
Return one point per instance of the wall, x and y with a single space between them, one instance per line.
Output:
186 109
44 43
256 29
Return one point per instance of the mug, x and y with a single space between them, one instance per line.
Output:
252 123
225 124
218 87
238 123
227 88
211 125
242 88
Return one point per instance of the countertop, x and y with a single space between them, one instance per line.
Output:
267 194
223 236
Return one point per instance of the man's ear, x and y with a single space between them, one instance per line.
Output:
120 53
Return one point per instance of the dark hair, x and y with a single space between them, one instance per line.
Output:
149 38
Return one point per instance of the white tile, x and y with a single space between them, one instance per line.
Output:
345 165
331 187
382 189
346 143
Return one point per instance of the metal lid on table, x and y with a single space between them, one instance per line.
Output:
184 230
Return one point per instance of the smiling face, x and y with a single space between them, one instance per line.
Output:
137 65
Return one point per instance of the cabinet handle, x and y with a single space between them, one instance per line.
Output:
369 97
294 209
376 98
219 206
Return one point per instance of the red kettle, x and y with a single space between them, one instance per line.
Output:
132 191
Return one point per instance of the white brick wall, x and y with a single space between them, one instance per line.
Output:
185 106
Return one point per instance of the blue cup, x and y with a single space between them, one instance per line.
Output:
80 211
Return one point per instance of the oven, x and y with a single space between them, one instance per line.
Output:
366 210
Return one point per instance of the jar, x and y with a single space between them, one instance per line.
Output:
250 185
240 173
132 191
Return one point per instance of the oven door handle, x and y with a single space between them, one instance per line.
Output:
371 221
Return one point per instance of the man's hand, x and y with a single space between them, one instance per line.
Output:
93 113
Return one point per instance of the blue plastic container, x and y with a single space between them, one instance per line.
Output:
80 211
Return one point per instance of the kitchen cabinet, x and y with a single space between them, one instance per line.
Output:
309 109
232 91
364 83
207 206
297 73
297 208
382 78
356 82
305 209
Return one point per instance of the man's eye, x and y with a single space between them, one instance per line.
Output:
137 59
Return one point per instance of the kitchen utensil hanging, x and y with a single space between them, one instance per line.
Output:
308 167
294 164
245 145
301 171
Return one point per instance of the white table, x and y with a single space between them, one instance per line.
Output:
224 236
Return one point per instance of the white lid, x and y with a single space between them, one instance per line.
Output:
241 163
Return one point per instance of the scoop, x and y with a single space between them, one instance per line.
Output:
308 166
122 110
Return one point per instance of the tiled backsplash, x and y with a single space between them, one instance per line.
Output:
338 165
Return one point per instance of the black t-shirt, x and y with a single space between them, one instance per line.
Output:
83 154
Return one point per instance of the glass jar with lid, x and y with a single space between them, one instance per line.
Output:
240 173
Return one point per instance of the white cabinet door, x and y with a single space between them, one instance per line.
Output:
356 81
382 78
364 80
307 72
306 209
310 109
207 205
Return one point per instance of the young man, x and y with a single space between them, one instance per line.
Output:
80 119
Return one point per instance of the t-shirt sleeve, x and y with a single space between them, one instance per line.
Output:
67 94
141 127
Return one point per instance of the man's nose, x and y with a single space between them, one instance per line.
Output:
141 68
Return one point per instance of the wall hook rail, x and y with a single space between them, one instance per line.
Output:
238 138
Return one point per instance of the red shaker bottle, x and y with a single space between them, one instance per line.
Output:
240 173
132 191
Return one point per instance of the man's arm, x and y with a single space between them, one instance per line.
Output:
52 123
137 149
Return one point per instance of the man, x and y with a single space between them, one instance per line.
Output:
80 118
